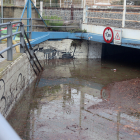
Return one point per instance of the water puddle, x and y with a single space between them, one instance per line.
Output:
81 100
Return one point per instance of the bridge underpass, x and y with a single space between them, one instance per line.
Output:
102 94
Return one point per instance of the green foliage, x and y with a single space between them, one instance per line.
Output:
76 43
53 22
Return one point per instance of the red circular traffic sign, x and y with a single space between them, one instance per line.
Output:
108 35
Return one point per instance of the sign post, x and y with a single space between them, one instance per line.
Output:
108 35
117 36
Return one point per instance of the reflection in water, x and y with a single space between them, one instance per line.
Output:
82 100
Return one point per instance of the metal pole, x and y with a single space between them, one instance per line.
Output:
30 28
2 10
35 2
32 58
86 14
50 3
41 8
82 4
6 131
84 11
9 43
60 3
21 16
71 12
25 1
39 14
0 29
22 46
29 15
124 12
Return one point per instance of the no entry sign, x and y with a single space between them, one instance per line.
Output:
108 35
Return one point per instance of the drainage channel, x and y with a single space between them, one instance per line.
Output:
81 99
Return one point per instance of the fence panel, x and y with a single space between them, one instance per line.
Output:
65 15
110 13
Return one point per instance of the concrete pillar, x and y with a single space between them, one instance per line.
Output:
95 49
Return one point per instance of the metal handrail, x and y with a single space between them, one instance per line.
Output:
16 45
33 55
8 23
38 19
16 18
16 33
1 38
54 26
1 52
9 38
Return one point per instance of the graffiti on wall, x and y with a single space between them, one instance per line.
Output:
9 95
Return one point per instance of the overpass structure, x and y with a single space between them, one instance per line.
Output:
124 20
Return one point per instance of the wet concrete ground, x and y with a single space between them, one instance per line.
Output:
81 100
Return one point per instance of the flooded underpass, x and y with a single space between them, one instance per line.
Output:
81 99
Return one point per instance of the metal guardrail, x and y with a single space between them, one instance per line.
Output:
37 19
65 4
9 36
30 24
22 44
32 56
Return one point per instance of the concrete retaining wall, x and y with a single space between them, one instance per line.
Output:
14 79
16 12
65 46
17 76
86 49
95 49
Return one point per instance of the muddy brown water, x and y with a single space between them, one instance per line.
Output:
81 100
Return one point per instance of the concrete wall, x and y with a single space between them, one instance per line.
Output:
13 81
85 49
16 12
65 46
95 49
21 111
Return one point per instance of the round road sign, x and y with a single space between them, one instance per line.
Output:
108 35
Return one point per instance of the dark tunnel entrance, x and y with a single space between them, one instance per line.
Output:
120 54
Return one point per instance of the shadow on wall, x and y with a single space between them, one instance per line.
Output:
120 53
